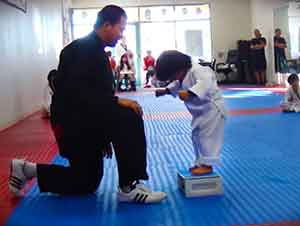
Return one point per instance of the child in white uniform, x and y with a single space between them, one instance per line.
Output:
197 87
291 101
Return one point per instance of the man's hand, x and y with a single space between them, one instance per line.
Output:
107 151
160 92
183 95
131 104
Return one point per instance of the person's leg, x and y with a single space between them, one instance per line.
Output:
198 168
129 144
83 176
195 140
257 75
210 140
133 86
263 77
132 83
121 79
147 77
128 138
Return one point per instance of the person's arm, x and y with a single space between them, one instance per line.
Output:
171 89
185 94
280 43
134 105
204 80
262 44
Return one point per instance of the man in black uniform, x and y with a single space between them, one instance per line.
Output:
258 45
279 52
88 119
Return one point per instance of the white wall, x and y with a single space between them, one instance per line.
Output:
29 45
262 17
294 9
231 19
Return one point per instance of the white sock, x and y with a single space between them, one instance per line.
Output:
30 170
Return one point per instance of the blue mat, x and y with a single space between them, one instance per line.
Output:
260 171
242 99
251 99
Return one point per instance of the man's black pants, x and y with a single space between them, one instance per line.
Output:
85 171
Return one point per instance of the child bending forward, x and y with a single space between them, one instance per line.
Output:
197 87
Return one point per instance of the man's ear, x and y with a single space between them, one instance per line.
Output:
106 25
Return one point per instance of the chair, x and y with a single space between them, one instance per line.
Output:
230 65
211 64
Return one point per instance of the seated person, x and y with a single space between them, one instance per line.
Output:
48 92
126 72
291 101
149 67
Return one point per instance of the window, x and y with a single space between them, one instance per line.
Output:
157 13
192 12
294 27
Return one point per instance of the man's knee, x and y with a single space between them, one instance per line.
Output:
88 183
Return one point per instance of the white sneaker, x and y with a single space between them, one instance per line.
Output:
17 178
141 194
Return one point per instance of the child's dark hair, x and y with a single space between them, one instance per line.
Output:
292 78
51 76
170 62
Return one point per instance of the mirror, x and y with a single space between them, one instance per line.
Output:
287 40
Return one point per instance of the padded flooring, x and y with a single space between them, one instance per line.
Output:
260 170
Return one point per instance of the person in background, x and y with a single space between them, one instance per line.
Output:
257 46
113 66
281 65
126 72
48 92
149 67
112 61
291 101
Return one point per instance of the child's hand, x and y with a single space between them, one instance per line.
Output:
183 95
160 92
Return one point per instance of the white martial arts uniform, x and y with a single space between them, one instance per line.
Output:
208 112
291 101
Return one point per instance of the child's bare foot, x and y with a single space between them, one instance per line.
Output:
199 170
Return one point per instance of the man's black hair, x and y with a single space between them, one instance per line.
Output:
110 14
170 62
277 29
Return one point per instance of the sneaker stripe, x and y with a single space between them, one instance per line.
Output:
144 199
16 179
136 197
16 182
140 198
15 185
